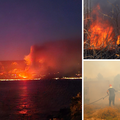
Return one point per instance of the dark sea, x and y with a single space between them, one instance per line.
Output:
35 99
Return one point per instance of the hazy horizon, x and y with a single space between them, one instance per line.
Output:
104 69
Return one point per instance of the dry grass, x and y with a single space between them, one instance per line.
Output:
98 112
107 113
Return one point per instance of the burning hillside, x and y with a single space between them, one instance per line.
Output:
55 58
12 69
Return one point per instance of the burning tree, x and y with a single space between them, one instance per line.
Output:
101 32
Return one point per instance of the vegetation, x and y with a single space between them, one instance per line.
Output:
98 112
101 32
76 107
72 113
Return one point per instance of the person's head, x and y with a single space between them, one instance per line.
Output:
110 86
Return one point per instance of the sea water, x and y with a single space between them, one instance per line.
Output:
35 99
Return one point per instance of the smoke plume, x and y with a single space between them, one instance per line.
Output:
62 56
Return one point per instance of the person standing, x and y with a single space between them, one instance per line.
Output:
111 92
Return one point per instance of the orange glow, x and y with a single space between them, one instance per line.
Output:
100 35
1 73
98 7
41 61
17 71
118 39
25 75
101 32
14 63
27 59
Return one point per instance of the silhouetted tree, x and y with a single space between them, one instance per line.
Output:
76 107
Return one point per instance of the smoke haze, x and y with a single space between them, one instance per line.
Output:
97 77
62 56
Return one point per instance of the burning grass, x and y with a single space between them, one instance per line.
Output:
101 39
101 112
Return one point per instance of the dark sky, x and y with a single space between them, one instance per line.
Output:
24 23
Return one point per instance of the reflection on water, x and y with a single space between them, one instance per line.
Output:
35 100
25 105
24 101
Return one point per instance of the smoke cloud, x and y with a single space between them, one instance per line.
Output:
97 77
64 56
109 7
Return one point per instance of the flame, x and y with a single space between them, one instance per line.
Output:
100 35
101 32
118 39
16 73
23 75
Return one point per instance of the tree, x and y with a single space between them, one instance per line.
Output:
76 107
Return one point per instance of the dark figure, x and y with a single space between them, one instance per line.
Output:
111 92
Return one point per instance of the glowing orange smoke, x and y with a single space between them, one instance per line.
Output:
98 7
27 59
101 32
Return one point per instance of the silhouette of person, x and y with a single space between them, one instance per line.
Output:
111 92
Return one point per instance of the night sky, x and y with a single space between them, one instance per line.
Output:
24 23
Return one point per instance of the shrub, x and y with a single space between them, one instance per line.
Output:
76 107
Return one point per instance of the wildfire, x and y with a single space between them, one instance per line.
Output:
118 39
15 70
23 76
100 31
